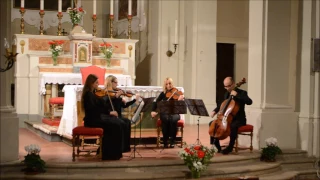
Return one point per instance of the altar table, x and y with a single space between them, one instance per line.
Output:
72 98
74 78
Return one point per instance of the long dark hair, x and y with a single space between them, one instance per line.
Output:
87 87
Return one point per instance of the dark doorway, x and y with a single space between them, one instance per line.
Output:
225 67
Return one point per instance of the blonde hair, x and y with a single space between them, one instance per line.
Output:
164 83
108 81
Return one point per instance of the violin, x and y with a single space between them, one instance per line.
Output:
174 93
112 93
126 93
101 93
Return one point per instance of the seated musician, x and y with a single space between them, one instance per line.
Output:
119 103
98 113
243 99
169 121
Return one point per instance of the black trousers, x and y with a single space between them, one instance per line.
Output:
233 134
169 127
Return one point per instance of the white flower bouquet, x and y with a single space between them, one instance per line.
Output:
76 15
269 153
33 160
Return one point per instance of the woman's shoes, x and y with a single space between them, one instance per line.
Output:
171 145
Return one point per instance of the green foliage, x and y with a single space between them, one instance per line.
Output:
34 163
269 153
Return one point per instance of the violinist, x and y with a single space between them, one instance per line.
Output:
119 102
169 121
242 98
98 113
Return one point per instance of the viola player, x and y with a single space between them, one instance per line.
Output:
242 98
169 121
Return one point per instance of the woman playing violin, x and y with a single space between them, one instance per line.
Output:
119 103
169 121
98 113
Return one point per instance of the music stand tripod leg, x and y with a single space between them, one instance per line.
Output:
134 142
198 140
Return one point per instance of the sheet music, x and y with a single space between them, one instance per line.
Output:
136 115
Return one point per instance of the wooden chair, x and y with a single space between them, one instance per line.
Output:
54 103
81 131
99 72
246 130
180 126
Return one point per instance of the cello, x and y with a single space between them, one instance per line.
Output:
220 128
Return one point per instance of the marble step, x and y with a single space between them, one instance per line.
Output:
289 175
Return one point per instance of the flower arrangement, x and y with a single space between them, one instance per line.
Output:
33 160
269 153
197 157
107 50
76 15
56 48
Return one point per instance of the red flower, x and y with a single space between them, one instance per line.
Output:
116 46
108 45
197 147
201 154
80 9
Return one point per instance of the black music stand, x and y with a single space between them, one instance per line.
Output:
197 107
172 107
145 103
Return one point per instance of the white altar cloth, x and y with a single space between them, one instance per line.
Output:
72 94
74 78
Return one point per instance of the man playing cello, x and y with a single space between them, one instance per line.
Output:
242 98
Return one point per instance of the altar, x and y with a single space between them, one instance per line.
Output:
37 78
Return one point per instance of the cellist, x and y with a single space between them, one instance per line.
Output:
242 98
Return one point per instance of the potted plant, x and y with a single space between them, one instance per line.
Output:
269 152
34 163
197 157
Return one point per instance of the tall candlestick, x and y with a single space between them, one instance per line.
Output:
94 7
111 7
22 4
130 8
59 5
176 32
41 4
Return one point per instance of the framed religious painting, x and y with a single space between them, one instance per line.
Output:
123 9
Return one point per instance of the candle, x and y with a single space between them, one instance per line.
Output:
59 5
130 8
111 7
176 32
41 4
22 3
94 7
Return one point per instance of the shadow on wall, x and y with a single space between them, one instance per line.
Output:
143 72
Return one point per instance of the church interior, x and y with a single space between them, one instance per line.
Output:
49 46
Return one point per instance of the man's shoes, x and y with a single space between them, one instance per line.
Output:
165 145
227 150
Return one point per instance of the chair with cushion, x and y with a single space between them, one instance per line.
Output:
180 126
99 72
54 103
246 130
82 131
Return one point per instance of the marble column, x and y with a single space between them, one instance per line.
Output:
9 123
269 73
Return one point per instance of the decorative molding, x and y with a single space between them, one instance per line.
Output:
32 17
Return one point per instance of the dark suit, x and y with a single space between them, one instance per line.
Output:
239 119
